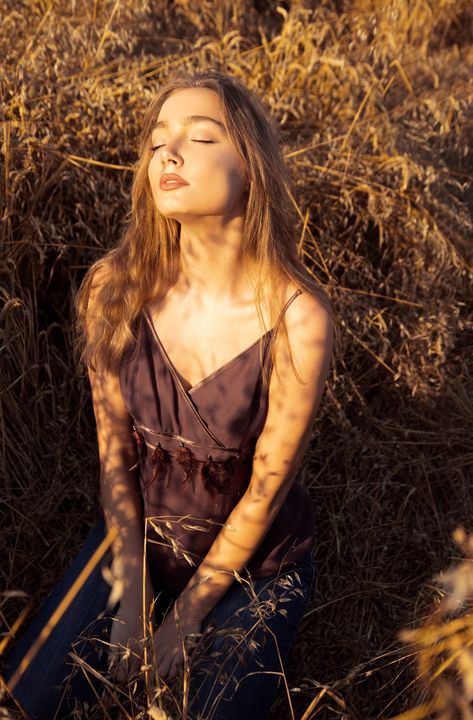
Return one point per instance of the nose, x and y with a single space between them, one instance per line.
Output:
170 155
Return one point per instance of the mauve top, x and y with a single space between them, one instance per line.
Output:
196 446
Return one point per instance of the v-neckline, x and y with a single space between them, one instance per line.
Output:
181 379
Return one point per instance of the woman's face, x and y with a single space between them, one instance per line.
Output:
190 140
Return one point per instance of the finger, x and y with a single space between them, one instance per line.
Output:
174 665
117 666
164 667
126 670
113 659
121 671
191 642
135 662
122 663
173 669
162 670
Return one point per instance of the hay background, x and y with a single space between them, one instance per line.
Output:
373 100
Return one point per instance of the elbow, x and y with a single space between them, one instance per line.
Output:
269 486
264 500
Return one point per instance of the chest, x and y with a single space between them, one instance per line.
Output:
197 344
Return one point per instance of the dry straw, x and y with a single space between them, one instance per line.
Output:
373 99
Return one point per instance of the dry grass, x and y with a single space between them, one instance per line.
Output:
373 99
443 644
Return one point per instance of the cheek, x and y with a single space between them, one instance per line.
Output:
236 180
233 174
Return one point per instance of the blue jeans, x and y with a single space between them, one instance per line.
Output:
235 673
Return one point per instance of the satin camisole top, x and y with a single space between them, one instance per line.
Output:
195 447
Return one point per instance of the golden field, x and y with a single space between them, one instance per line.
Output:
373 103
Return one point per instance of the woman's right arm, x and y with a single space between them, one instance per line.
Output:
121 502
118 482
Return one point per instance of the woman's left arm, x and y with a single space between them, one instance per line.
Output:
279 451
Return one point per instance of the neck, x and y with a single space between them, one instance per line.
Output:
211 265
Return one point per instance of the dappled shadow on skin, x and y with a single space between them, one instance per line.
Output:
264 485
241 410
272 472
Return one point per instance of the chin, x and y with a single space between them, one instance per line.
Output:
191 214
174 213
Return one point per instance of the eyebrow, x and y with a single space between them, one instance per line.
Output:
190 119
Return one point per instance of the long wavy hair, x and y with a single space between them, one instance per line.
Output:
145 263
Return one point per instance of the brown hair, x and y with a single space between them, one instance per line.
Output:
146 261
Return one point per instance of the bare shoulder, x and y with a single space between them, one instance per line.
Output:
308 317
295 392
310 332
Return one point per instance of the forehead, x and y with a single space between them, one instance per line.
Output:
191 101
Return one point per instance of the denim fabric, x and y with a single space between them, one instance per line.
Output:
234 671
242 663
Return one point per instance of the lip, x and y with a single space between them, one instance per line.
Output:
170 181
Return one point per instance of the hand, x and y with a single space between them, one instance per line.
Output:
168 642
126 641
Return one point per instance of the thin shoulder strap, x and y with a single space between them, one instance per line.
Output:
293 297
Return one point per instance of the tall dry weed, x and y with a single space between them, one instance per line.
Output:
374 101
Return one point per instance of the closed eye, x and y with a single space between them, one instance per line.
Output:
156 147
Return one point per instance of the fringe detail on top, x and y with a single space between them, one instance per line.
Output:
186 459
215 474
140 444
160 461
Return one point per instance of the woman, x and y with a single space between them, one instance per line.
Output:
208 346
